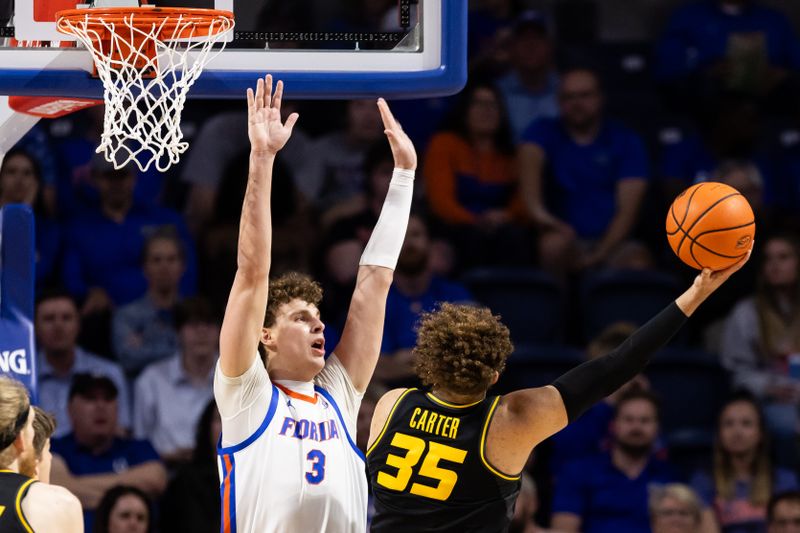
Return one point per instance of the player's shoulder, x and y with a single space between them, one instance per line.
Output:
54 498
391 397
52 508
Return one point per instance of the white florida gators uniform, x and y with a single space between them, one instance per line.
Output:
288 459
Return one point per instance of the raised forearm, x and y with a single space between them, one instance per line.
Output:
255 227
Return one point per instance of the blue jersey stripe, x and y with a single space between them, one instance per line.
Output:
232 505
325 394
273 406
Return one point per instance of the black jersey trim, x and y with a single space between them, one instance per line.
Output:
388 420
484 460
20 493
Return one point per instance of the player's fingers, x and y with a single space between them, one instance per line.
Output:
259 96
386 115
278 96
290 121
268 90
251 103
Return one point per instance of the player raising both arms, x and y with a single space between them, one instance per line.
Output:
450 459
288 458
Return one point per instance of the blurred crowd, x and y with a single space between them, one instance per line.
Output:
542 192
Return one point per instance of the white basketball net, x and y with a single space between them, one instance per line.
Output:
143 114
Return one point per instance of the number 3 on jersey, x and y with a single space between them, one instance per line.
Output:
317 473
430 467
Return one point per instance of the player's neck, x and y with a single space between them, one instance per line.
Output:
452 397
277 374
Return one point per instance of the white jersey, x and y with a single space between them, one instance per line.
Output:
287 457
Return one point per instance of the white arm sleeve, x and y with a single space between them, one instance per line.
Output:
387 238
242 401
336 381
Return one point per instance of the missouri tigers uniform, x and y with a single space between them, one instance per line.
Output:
13 488
428 469
287 458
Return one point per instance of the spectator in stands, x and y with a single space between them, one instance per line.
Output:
21 183
734 45
59 359
594 171
729 132
214 158
143 331
44 424
123 509
526 506
336 160
93 458
102 263
742 477
530 89
490 25
170 395
675 508
191 503
609 492
590 434
415 290
471 180
783 513
761 342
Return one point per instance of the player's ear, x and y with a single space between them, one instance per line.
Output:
268 338
495 377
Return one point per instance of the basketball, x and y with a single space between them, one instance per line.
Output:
710 225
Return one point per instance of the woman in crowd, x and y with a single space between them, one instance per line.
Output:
761 343
471 179
21 183
675 508
743 477
123 509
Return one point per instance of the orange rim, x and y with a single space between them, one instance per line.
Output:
165 18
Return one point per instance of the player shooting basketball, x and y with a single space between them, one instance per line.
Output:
288 458
450 459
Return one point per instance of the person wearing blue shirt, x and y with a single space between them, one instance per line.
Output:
102 260
608 493
416 289
714 46
530 88
93 458
583 178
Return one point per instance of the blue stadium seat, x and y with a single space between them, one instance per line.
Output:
536 365
529 301
633 296
692 386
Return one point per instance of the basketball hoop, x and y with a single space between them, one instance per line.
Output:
147 58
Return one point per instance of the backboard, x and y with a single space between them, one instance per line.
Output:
321 49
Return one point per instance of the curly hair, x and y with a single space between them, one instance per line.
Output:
460 347
288 287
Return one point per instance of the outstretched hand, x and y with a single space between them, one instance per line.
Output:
709 280
267 133
405 156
